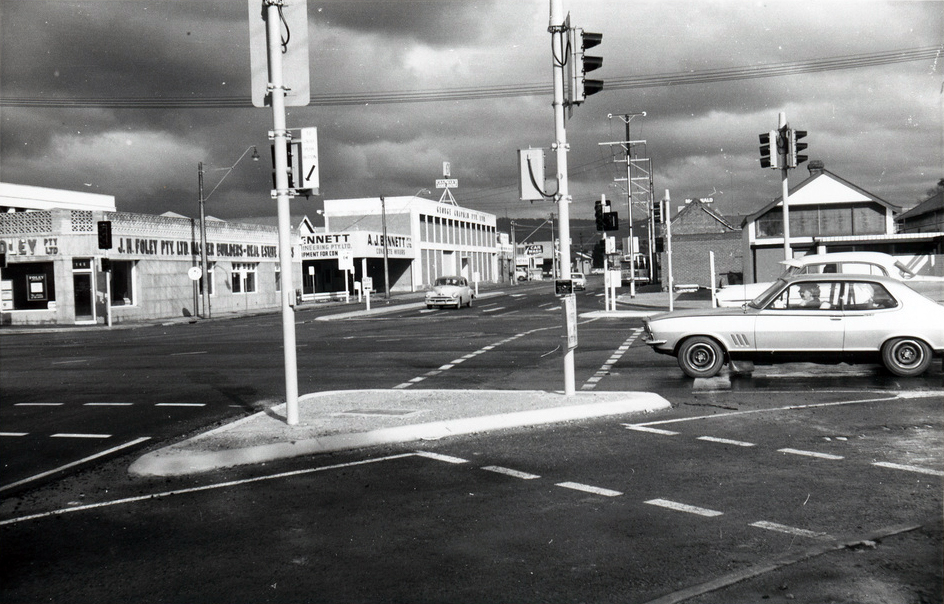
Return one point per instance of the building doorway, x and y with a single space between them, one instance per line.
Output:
84 297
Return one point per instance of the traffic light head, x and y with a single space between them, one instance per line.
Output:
598 214
581 63
104 234
794 157
769 153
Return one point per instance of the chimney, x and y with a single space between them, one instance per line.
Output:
816 167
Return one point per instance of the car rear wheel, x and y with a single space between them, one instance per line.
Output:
700 357
906 356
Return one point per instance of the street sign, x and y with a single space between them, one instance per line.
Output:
345 261
309 161
570 320
447 183
295 70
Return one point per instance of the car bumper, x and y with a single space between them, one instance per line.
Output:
440 301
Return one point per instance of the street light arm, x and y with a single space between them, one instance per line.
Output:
255 157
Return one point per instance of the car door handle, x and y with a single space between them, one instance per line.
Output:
835 318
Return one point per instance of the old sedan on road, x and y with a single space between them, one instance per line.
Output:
858 263
450 291
826 318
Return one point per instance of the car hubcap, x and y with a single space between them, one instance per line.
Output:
908 354
701 356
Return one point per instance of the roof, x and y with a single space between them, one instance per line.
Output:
931 204
832 185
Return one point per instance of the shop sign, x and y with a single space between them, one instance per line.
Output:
357 244
36 288
36 246
133 246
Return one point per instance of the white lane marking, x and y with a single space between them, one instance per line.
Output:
69 362
510 472
13 433
69 465
591 383
209 487
108 404
440 457
907 468
75 435
38 404
180 405
462 359
576 486
790 530
726 441
639 428
774 410
494 309
809 453
682 507
182 354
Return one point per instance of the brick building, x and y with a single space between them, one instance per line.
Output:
698 229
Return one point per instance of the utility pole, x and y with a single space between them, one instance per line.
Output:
627 144
280 138
558 28
383 219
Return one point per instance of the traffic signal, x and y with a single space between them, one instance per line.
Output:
610 221
598 213
794 159
769 154
580 63
657 211
106 265
104 234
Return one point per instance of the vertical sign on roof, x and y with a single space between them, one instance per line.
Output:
294 28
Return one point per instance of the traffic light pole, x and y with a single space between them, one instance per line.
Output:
280 138
558 31
782 126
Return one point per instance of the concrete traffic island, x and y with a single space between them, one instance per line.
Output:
354 419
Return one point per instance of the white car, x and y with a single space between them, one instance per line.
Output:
450 291
856 263
827 318
580 281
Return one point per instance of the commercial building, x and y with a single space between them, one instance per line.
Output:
53 270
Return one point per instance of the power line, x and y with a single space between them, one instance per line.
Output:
503 91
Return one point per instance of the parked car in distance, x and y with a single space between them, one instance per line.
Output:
825 318
580 281
450 291
859 263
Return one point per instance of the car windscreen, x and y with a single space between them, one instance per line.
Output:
762 300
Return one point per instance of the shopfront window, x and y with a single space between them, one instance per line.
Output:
244 278
28 286
122 283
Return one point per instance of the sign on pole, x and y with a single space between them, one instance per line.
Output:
309 161
295 70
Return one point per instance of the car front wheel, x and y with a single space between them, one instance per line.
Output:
700 357
906 357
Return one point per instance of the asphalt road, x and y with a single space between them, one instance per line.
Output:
736 474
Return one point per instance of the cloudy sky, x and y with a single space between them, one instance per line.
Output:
125 97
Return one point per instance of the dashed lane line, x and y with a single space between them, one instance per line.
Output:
576 486
464 358
790 530
78 435
684 507
726 441
510 472
908 468
603 371
815 454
